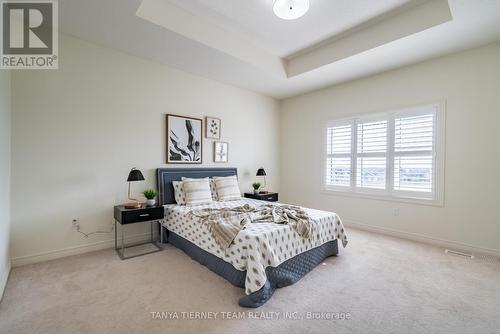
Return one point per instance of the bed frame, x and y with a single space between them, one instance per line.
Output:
285 274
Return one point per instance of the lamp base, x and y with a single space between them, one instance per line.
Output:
133 205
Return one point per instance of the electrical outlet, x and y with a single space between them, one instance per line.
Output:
76 223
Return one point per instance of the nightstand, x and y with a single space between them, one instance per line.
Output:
268 196
145 214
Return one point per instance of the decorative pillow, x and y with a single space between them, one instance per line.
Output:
180 198
197 191
213 190
227 188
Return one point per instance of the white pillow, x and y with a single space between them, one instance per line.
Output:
227 188
180 198
213 190
197 191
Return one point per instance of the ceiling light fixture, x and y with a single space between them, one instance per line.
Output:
290 9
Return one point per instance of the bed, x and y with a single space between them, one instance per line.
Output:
263 256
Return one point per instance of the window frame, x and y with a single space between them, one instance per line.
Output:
435 197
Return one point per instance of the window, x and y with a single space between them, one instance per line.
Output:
339 155
396 154
371 154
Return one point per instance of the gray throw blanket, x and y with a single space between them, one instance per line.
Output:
226 223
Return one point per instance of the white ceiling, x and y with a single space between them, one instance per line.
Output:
256 21
241 42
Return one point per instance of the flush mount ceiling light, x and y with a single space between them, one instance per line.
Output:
290 9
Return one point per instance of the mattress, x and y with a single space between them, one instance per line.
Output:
259 245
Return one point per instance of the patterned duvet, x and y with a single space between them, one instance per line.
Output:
259 245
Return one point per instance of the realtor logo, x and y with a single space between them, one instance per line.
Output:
29 34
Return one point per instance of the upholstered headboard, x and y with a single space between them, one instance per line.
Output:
165 176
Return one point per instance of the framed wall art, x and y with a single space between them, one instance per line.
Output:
212 127
184 140
220 151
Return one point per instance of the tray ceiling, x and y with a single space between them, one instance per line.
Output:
242 43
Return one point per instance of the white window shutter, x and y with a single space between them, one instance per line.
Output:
414 153
371 154
338 164
397 154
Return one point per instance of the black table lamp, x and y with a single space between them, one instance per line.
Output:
133 176
262 172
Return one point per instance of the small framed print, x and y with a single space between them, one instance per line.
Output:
220 151
212 127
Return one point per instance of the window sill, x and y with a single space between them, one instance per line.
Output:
409 200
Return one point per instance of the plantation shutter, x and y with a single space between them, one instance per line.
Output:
338 161
371 155
395 154
414 152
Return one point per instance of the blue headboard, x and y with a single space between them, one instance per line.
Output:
165 176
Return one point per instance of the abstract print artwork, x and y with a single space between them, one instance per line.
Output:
184 140
212 128
220 151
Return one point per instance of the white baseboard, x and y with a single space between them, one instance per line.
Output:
55 254
4 279
59 253
447 244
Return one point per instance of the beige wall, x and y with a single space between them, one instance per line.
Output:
5 157
78 130
469 82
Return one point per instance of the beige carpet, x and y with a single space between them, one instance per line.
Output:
386 285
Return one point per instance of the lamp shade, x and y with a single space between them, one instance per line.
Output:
135 175
261 172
